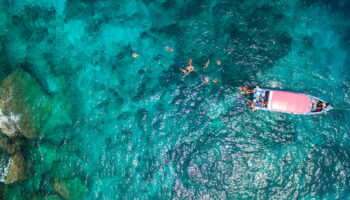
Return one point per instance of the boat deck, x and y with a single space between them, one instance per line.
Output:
287 102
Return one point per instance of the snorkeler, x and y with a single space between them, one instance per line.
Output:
190 62
249 91
218 62
134 55
244 90
168 48
206 64
190 68
206 79
185 72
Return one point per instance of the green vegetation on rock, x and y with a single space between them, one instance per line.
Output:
69 188
17 170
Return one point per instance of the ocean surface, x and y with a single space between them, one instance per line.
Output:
124 127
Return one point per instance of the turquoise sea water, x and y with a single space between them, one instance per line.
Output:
133 128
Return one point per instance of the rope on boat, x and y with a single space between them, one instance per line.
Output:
341 108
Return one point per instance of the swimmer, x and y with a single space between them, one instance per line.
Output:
218 62
185 72
190 68
244 88
190 62
134 55
168 48
207 64
248 91
215 80
251 105
206 80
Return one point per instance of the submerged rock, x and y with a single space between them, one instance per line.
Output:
17 170
2 192
45 155
24 106
4 141
47 197
69 189
38 67
10 146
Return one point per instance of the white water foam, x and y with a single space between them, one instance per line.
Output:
8 124
5 167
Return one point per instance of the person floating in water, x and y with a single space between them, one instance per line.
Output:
244 90
168 48
190 62
218 62
190 68
215 80
205 79
206 64
185 72
134 55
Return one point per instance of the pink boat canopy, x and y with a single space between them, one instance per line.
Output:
290 102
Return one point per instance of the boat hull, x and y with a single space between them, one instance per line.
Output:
288 102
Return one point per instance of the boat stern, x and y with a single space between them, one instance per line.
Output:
328 108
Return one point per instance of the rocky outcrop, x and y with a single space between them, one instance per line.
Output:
24 106
27 112
69 188
47 155
17 170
